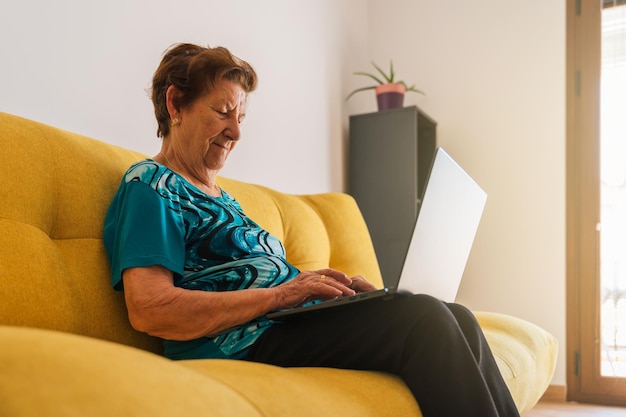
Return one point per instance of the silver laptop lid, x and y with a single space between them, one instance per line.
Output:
446 225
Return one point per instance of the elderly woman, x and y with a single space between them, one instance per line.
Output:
202 276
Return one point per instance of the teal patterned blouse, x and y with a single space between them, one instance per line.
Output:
158 218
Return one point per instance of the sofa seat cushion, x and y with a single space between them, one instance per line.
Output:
303 392
51 373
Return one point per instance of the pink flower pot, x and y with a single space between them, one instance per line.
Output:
390 96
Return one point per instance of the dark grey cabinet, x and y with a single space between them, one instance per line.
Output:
390 153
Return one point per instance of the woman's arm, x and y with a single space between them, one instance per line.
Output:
157 307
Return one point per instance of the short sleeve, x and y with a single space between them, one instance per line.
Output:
142 230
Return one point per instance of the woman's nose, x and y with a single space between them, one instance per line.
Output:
232 131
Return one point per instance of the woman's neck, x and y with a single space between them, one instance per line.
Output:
204 181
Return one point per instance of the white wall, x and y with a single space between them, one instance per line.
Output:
85 65
493 72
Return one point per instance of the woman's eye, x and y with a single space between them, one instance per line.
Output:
220 113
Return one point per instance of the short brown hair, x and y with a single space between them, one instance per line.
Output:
193 70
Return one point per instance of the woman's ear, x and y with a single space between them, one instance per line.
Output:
172 100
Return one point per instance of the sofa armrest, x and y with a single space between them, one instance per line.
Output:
526 355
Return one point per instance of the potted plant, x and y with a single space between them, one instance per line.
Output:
389 93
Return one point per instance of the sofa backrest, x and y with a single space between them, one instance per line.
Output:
55 188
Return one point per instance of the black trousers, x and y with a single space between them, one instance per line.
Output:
437 348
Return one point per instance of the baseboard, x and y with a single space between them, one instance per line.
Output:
555 393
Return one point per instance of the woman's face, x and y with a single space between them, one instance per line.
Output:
209 129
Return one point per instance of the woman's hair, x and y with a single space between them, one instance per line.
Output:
194 70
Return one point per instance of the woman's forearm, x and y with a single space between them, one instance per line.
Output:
157 307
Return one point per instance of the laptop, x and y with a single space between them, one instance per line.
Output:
442 238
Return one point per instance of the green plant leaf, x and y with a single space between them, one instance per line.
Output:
389 79
378 80
411 88
359 90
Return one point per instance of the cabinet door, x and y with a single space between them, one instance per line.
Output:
388 163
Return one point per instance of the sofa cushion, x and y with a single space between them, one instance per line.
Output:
47 373
303 392
318 230
56 188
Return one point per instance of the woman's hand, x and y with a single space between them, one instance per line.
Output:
359 284
323 284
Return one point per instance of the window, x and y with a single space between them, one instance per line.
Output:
596 201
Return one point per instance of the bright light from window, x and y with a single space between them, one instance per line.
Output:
613 191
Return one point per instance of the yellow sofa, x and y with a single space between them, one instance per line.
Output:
66 347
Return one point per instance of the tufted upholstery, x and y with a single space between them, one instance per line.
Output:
59 314
52 231
51 219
